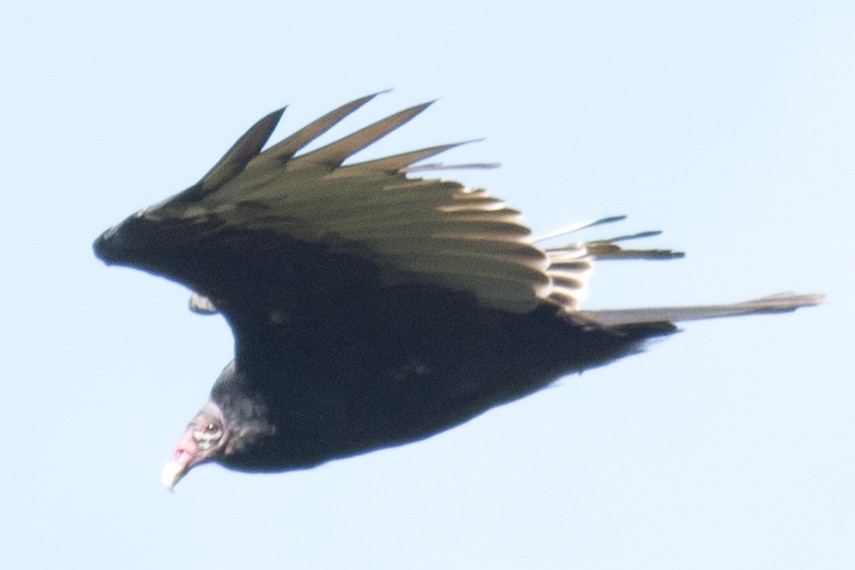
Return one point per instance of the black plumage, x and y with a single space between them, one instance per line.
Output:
371 308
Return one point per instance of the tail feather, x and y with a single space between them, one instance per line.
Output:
782 302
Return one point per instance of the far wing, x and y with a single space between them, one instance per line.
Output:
266 235
264 232
780 303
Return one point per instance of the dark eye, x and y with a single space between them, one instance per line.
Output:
207 435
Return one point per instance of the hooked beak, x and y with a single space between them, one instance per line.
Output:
185 456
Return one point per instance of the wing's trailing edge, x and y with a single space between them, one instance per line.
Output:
780 303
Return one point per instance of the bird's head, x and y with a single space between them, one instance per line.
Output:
204 440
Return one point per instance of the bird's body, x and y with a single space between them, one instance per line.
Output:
387 371
371 309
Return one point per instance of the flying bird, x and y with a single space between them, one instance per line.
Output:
372 308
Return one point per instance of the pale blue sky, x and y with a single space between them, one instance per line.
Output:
730 125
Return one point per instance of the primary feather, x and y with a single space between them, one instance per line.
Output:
371 308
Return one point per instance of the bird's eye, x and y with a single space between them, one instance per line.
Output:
207 435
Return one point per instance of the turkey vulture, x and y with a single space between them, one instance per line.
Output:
371 308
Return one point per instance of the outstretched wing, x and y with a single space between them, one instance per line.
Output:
263 233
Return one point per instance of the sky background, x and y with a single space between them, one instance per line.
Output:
728 124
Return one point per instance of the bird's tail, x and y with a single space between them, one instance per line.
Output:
780 303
